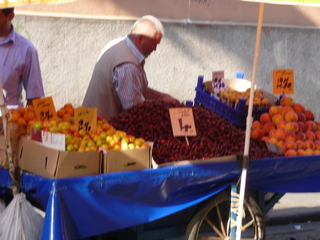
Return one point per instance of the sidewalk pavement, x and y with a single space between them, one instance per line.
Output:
295 208
300 231
295 217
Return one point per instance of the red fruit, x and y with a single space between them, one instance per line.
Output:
317 144
289 145
317 134
272 133
267 127
302 126
309 115
292 127
291 153
310 135
298 107
318 125
286 101
291 116
301 144
311 126
310 144
301 117
265 117
256 124
301 135
301 152
286 109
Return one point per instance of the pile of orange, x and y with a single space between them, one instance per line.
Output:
23 115
66 112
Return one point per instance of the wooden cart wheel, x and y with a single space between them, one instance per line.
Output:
212 221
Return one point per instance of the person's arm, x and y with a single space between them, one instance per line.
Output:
128 84
29 101
31 77
156 95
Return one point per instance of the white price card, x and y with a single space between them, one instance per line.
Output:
218 82
182 122
54 140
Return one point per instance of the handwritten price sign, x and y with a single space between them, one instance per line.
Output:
283 81
218 82
85 118
182 122
44 108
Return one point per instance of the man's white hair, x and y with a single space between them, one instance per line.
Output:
148 26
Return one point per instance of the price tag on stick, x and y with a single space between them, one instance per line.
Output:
283 81
218 82
85 118
182 122
44 108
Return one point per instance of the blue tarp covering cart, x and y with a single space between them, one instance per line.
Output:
87 206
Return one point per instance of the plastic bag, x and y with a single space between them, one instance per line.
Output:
20 221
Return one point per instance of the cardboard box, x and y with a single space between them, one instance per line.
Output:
229 158
34 157
127 160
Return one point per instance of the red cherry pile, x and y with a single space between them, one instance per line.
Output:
216 136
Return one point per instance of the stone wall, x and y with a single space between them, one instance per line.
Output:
68 49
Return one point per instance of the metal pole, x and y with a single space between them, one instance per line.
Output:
249 122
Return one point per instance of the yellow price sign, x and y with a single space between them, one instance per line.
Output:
44 108
182 122
85 118
283 81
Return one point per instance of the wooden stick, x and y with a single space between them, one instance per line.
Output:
186 140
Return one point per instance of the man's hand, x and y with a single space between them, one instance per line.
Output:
156 95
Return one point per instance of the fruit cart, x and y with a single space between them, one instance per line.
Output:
191 198
164 202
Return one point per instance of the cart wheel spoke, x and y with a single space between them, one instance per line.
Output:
214 228
212 238
221 221
249 224
212 221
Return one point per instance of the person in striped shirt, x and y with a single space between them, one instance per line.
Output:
119 81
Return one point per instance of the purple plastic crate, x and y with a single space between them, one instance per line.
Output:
237 116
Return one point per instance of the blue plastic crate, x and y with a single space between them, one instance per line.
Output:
237 116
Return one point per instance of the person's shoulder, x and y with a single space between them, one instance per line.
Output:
113 43
110 45
23 40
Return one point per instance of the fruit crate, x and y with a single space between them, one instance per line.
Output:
237 116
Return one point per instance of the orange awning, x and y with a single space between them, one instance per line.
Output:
13 3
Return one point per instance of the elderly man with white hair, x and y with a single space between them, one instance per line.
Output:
119 81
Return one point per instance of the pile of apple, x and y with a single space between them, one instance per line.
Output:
234 96
291 127
106 137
